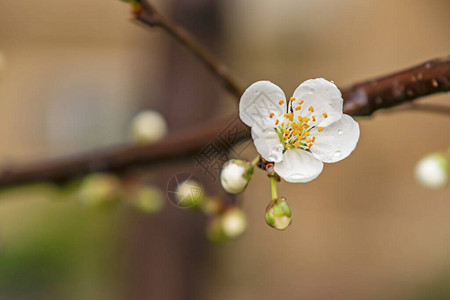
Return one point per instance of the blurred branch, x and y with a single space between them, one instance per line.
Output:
361 99
429 78
432 108
147 14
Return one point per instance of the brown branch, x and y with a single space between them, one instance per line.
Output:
147 14
187 144
425 79
360 100
431 108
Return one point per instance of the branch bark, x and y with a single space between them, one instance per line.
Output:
361 99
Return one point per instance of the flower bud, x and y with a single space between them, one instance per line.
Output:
214 231
190 194
146 198
278 214
236 175
212 205
99 190
234 222
432 171
148 127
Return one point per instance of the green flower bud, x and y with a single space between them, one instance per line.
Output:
212 206
234 222
146 198
190 194
214 231
99 189
236 175
278 214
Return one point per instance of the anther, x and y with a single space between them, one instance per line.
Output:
292 99
325 115
311 109
320 129
271 115
276 122
301 102
281 102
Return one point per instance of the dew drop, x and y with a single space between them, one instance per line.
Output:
340 131
275 153
337 153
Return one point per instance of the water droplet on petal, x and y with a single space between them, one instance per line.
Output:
340 131
337 153
275 153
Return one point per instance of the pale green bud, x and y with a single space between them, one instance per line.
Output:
99 189
190 194
432 171
214 231
212 205
146 198
234 222
235 176
278 214
148 127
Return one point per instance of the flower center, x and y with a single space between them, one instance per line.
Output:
294 132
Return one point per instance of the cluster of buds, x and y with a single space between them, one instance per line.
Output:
433 170
101 190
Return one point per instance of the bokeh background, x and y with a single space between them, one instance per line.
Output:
75 73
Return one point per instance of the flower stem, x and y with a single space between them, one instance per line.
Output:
273 187
255 161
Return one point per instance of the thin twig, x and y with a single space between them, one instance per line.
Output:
147 14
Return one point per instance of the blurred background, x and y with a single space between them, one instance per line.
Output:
75 73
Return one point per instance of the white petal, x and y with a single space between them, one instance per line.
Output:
336 141
323 96
298 166
259 101
267 143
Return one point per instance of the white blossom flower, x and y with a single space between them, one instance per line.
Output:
432 171
148 127
235 176
300 134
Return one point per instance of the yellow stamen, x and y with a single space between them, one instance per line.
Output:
325 115
281 102
314 118
310 145
288 146
306 133
298 108
297 144
301 102
320 129
308 140
314 139
271 115
292 99
311 109
276 122
286 131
